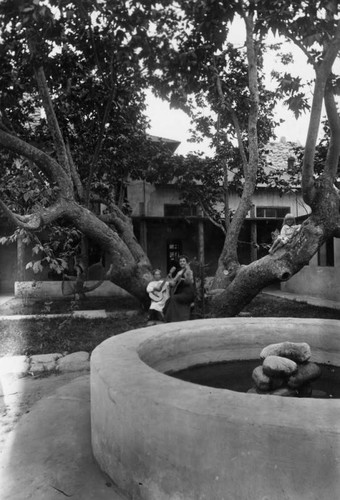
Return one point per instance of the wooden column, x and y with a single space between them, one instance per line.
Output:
201 255
20 275
253 241
144 235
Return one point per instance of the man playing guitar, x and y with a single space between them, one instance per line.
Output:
158 291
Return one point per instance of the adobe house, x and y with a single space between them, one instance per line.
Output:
166 228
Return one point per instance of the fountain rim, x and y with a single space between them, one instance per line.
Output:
123 358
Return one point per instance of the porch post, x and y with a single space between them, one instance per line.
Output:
201 256
253 241
144 235
20 259
253 235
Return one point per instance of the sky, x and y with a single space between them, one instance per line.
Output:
175 124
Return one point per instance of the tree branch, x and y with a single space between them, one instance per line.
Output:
333 153
74 174
47 165
225 105
41 217
123 225
32 222
323 71
254 99
46 100
211 218
95 157
299 44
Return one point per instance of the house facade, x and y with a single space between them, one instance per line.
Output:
166 229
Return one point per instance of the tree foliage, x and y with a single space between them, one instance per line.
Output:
72 88
86 64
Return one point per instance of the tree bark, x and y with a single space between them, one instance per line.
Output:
129 271
228 264
320 193
283 264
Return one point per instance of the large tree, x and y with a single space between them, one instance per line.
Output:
202 63
315 28
96 56
83 63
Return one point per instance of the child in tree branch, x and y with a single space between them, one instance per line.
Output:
289 228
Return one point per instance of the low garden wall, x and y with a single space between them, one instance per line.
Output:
53 289
316 281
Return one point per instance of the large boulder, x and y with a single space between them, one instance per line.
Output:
265 383
276 366
298 352
305 373
44 362
261 380
76 361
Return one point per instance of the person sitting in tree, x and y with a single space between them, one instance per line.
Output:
289 229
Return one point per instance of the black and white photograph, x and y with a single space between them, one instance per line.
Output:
169 249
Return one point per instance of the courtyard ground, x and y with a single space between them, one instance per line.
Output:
70 334
45 421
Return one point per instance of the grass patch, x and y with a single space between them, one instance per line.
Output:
265 305
66 305
45 336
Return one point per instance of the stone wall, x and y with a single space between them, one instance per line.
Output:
50 289
315 281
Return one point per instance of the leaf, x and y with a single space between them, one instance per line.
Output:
37 267
36 249
27 195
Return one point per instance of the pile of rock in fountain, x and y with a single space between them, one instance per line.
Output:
286 370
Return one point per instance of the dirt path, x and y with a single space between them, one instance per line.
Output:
18 395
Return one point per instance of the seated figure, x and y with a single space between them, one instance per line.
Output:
182 294
289 228
158 290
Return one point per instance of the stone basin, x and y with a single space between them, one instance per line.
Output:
160 438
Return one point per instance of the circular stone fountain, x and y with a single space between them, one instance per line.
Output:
160 438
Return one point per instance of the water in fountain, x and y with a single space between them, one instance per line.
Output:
308 379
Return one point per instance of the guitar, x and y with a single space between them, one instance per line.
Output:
157 295
179 278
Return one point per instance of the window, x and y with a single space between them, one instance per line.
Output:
326 253
291 162
272 212
179 210
173 251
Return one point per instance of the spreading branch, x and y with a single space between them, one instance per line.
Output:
47 165
123 226
323 71
96 154
46 100
31 222
333 153
74 173
40 218
224 105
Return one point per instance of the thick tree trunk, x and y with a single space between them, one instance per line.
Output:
130 273
286 261
318 192
228 264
